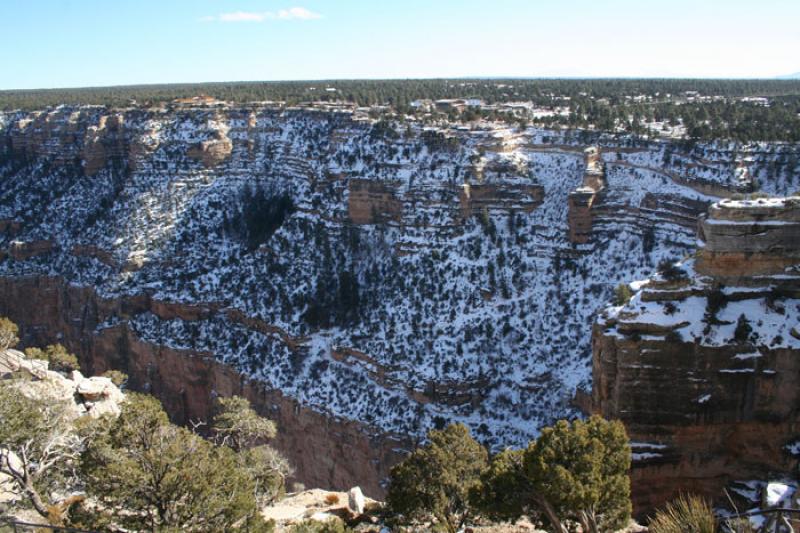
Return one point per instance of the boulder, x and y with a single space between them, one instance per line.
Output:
94 388
13 361
100 396
356 500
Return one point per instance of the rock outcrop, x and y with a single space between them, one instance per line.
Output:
746 238
211 152
323 506
95 396
702 364
582 199
505 197
371 202
105 142
22 250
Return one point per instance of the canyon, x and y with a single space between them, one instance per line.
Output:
421 275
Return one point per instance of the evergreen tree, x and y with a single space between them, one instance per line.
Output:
581 471
622 294
573 473
147 474
439 479
59 358
743 329
238 426
501 486
38 450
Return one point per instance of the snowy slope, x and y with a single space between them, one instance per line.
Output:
484 320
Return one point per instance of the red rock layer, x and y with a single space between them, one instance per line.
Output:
326 452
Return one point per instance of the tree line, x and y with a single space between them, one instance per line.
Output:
396 92
603 104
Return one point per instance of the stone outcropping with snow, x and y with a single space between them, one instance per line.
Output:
702 364
747 238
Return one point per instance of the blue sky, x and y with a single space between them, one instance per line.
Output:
69 43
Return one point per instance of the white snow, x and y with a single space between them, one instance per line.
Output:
425 319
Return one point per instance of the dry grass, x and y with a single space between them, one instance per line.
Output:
740 525
687 514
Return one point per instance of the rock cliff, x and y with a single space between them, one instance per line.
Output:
325 451
702 364
582 199
750 238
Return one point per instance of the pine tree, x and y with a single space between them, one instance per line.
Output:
147 474
439 479
743 329
581 471
38 449
572 473
239 427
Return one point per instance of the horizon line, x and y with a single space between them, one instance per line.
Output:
783 78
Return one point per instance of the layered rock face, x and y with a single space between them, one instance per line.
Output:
370 202
325 451
582 199
746 238
480 198
702 364
103 143
379 279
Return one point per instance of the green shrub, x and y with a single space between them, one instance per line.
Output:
743 329
117 378
147 474
670 271
579 472
439 479
59 358
334 525
8 334
622 294
573 474
716 301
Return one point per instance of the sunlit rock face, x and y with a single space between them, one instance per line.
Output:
391 280
748 238
702 364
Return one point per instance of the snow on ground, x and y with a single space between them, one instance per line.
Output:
504 303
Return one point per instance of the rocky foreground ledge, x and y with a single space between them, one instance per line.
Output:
94 396
702 363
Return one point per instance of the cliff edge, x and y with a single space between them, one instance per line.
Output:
702 363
